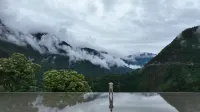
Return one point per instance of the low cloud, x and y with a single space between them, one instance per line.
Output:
115 25
119 27
75 53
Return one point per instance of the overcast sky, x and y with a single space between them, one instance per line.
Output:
118 26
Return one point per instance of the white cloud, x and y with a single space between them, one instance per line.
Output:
120 27
13 39
112 25
75 54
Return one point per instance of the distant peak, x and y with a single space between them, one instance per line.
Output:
89 50
0 22
144 54
62 43
104 52
188 33
147 54
39 35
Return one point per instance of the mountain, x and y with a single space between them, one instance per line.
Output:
176 67
52 53
139 59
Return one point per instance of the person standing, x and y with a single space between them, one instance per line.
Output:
110 87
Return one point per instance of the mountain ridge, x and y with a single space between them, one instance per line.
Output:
60 56
176 67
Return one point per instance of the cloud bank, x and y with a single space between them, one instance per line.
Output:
120 27
125 26
52 42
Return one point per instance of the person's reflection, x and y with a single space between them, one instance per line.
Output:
111 104
111 96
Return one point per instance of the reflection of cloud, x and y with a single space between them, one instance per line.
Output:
42 108
38 101
123 102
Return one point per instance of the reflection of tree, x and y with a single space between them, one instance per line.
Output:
23 102
17 102
61 100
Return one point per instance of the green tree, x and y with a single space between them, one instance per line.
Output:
65 81
17 73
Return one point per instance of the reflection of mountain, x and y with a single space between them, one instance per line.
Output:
123 102
52 53
44 102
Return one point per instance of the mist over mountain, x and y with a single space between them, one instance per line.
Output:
53 53
174 69
130 42
139 59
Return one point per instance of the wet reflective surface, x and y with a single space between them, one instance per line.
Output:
184 102
98 102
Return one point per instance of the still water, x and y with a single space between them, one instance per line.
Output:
86 102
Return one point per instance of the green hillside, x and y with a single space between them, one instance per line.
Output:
184 48
123 82
175 68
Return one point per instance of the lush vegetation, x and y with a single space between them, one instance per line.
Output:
122 82
175 68
17 73
162 78
62 81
